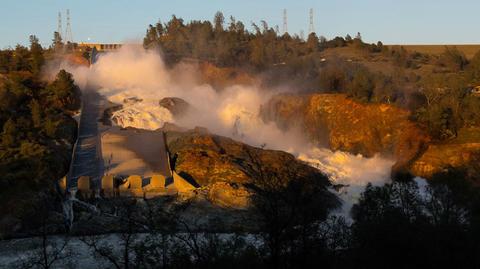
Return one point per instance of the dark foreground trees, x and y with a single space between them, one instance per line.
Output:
401 225
63 92
32 115
36 131
290 216
46 250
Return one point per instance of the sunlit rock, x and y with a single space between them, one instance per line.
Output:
175 105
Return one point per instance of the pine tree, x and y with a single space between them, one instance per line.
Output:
57 42
362 86
218 21
37 58
50 128
9 136
151 37
348 38
20 61
313 43
66 93
36 113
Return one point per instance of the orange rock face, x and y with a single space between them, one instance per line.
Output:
221 77
75 59
438 158
209 159
335 121
229 195
227 169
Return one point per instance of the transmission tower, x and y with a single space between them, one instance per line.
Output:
302 35
59 26
311 28
68 31
285 26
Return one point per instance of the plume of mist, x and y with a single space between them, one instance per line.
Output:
233 112
351 172
135 72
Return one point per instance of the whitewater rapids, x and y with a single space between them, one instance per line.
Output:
144 114
133 73
351 172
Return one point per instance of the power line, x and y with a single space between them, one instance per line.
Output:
59 24
311 28
68 32
285 26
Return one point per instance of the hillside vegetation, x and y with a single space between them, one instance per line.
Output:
364 98
468 50
436 88
37 132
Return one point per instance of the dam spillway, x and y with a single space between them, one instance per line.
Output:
105 153
86 156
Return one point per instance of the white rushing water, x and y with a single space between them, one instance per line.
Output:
142 114
140 75
352 172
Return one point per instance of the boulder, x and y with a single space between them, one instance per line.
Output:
132 100
208 159
229 195
106 118
177 106
231 171
439 158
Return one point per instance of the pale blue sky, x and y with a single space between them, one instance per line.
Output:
392 21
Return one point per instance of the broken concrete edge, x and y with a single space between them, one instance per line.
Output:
133 186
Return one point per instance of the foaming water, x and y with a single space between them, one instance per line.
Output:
144 115
141 113
133 72
348 169
351 173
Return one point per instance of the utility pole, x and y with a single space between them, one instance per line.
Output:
59 24
285 26
311 28
68 32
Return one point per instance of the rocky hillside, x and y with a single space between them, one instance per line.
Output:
228 169
340 123
222 77
462 152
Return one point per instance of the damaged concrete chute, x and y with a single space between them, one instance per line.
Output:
86 178
181 184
